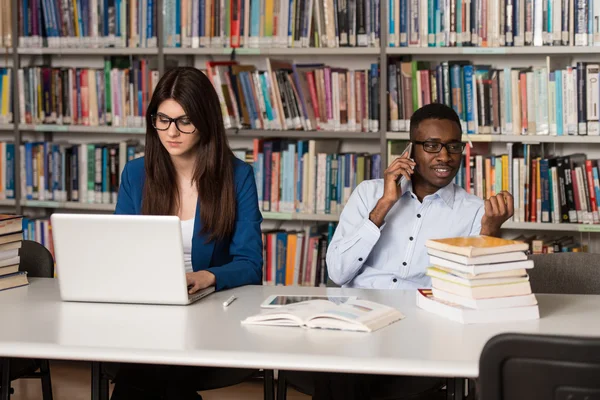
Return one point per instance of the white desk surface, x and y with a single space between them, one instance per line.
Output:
36 324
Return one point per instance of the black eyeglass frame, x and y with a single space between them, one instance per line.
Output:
171 120
441 146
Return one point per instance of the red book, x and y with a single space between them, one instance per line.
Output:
85 98
236 9
591 189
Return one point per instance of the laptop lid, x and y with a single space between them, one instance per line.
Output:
119 258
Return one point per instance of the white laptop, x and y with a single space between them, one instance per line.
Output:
121 259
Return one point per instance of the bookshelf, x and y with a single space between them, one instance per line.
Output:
381 54
65 205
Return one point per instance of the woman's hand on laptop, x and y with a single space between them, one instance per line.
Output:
199 280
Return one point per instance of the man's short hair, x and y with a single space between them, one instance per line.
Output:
433 111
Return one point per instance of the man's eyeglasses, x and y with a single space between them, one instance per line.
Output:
436 147
162 123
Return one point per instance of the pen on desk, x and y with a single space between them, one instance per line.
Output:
230 300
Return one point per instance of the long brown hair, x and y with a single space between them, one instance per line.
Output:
213 171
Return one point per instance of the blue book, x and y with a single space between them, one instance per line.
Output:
247 88
25 224
391 20
178 23
105 8
84 10
432 22
280 257
118 18
403 23
302 149
255 19
455 79
201 28
259 176
545 188
549 20
469 91
559 103
268 107
29 171
596 185
25 19
10 171
150 28
45 15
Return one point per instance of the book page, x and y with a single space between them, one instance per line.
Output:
360 312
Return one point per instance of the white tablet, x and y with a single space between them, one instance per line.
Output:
277 300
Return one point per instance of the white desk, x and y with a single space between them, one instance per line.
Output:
36 324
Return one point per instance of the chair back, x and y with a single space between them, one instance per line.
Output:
36 260
530 367
565 273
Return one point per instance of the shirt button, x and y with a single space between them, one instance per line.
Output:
404 263
411 238
360 259
395 280
418 215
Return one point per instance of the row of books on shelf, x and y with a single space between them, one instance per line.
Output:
86 173
296 258
297 96
195 24
117 95
515 101
88 23
545 188
493 23
307 176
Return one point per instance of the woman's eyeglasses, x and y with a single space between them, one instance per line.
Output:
436 147
161 123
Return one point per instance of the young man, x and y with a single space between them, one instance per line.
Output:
380 240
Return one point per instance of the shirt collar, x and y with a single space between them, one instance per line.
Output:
446 193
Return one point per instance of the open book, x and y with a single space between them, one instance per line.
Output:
354 315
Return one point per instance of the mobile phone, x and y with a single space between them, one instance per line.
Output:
409 150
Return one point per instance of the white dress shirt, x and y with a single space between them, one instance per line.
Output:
361 255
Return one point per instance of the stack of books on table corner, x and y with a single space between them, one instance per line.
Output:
479 279
11 240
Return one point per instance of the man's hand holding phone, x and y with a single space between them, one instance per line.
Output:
401 167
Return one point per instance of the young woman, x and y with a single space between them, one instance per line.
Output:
190 171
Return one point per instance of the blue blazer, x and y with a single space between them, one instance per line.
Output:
235 262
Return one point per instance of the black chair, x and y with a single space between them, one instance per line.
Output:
532 367
37 261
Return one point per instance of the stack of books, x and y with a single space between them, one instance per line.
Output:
11 240
479 279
